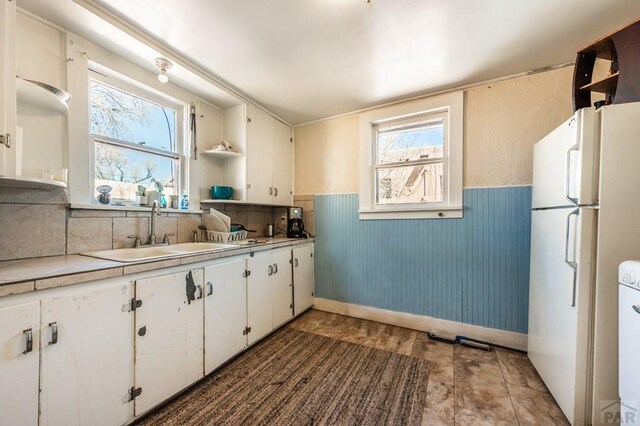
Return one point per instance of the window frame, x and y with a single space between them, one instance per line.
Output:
146 93
450 107
413 121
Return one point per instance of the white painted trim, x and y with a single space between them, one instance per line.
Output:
466 187
441 92
445 213
446 328
498 186
450 107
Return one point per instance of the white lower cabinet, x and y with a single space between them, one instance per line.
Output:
67 355
259 295
168 336
87 356
282 280
225 312
19 364
303 281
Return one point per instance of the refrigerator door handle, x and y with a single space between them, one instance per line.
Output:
572 263
567 184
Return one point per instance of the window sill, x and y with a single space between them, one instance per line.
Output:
446 213
129 208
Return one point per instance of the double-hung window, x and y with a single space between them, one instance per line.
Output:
137 139
411 160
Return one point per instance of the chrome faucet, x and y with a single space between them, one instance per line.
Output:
155 211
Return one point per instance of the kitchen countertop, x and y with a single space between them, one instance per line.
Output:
24 275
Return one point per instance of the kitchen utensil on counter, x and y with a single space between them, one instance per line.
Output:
241 227
214 223
221 192
226 219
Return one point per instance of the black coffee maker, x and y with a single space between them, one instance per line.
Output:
295 226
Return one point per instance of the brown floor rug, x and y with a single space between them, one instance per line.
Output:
300 378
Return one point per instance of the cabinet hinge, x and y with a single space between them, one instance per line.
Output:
132 305
246 273
246 331
134 392
6 140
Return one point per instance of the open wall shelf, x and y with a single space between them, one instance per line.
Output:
622 85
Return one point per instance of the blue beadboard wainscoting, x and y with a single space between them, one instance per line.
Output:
473 270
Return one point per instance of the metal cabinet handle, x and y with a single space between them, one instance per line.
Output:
54 332
201 292
295 262
572 263
28 333
210 285
270 269
271 190
275 192
636 308
275 268
567 183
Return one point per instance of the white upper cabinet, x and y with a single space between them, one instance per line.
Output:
8 102
87 356
282 162
260 156
263 172
19 363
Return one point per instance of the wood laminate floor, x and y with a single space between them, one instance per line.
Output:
466 386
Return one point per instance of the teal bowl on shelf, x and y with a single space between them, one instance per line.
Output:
221 192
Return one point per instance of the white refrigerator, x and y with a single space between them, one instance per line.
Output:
585 222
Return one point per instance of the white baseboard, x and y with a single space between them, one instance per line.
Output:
508 339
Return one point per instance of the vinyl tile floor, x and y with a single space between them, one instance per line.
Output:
466 386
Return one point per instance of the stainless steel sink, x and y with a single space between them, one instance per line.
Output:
157 252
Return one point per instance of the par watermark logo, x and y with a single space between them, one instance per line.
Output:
619 413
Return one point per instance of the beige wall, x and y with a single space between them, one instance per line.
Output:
502 122
326 156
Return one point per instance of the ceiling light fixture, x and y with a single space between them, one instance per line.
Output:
163 65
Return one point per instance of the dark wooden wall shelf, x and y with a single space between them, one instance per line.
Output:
622 48
606 85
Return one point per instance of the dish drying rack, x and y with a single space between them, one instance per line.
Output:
226 237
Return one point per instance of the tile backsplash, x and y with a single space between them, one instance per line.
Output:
37 223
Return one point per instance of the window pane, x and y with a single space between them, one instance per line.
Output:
416 141
120 115
124 169
421 183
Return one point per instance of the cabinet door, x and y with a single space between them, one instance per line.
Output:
282 165
19 365
169 336
302 278
259 156
259 295
282 280
8 103
225 312
87 357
